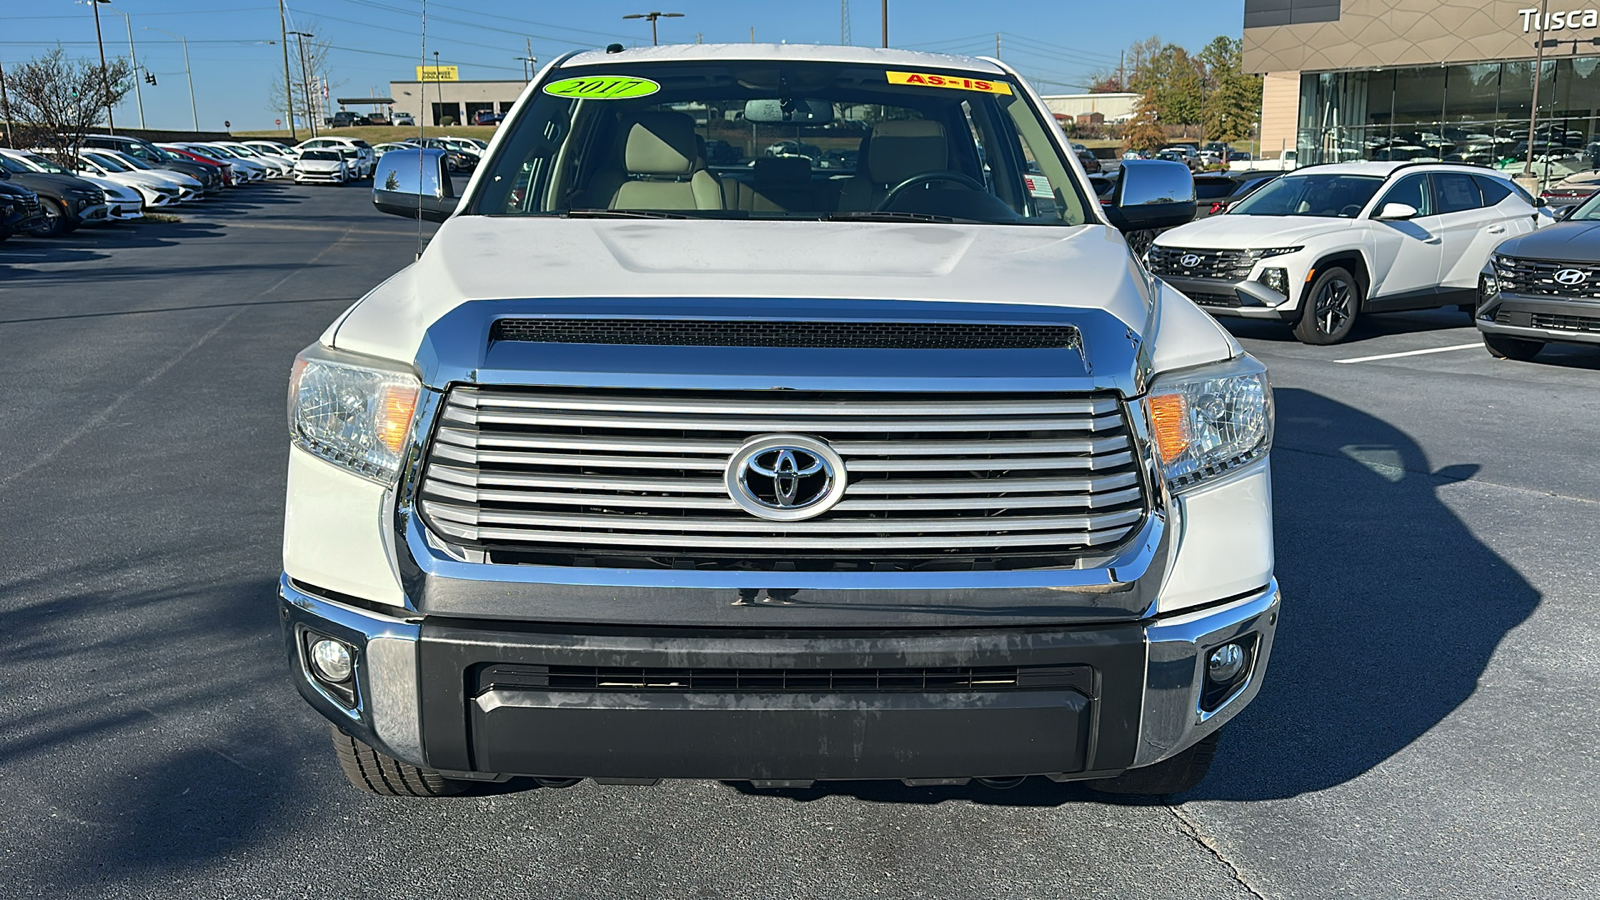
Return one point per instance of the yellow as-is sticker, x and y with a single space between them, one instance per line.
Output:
960 83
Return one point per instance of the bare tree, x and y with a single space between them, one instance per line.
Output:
55 100
314 64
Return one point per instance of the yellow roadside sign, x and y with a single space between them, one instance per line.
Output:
437 73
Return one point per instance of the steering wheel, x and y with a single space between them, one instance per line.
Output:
1351 211
965 181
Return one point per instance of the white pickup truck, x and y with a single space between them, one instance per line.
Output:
900 466
1286 161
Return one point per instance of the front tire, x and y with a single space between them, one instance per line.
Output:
1502 347
1330 308
377 773
1170 776
55 219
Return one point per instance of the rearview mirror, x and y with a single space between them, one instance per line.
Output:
788 111
1151 193
1397 211
414 183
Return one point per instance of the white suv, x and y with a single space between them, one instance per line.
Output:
1320 246
366 160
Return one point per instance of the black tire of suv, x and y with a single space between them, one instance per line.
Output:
56 221
1170 776
1502 347
1335 295
377 773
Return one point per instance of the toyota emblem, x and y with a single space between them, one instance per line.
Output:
785 477
1189 260
1571 277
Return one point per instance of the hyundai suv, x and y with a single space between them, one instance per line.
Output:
1323 245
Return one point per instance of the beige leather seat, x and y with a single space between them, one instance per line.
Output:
662 159
897 150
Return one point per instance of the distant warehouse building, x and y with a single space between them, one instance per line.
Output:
1075 107
457 101
1424 79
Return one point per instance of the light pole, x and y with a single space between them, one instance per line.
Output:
438 91
885 8
5 106
105 83
653 16
1538 76
288 92
305 77
194 112
138 96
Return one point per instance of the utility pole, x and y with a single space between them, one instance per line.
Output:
189 74
1122 71
305 78
105 83
138 96
1538 76
5 105
288 92
997 45
438 87
653 16
885 9
844 22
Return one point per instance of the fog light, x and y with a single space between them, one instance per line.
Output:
1276 279
331 660
1225 663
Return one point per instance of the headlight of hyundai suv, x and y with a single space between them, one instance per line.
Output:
354 412
1210 420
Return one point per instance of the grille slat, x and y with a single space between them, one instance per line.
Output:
779 333
1537 277
690 680
1566 323
635 478
1219 265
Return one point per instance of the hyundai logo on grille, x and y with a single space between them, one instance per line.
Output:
1571 276
1189 260
785 477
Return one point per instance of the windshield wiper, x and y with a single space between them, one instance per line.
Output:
619 214
886 216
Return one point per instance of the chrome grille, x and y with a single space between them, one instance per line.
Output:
1221 265
631 478
1536 277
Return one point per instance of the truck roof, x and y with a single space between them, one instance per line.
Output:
786 52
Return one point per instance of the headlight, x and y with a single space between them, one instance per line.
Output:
1210 420
1274 251
354 412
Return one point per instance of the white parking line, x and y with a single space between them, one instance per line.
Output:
1478 345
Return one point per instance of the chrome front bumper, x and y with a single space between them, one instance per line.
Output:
1166 706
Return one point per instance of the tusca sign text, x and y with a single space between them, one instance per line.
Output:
1558 21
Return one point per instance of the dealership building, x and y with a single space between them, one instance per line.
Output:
458 101
1425 79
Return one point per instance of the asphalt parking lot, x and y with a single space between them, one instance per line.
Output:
1428 729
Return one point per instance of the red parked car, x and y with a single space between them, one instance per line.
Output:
227 170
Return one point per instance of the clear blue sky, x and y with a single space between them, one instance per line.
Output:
1054 43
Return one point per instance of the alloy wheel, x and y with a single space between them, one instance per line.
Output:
1334 303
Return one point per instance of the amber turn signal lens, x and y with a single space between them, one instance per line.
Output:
1169 415
395 408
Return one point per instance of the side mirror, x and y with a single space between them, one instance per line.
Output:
414 183
1152 193
1397 211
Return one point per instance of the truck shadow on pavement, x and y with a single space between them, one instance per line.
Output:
1391 611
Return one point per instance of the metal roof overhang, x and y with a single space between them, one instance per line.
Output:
365 101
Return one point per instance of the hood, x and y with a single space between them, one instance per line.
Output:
11 189
51 185
505 258
320 164
113 190
1235 232
1561 241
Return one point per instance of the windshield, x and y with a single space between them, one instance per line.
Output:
129 161
1323 196
1587 211
324 155
107 163
44 164
222 151
12 165
781 140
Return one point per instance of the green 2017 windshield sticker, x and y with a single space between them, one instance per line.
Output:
603 87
